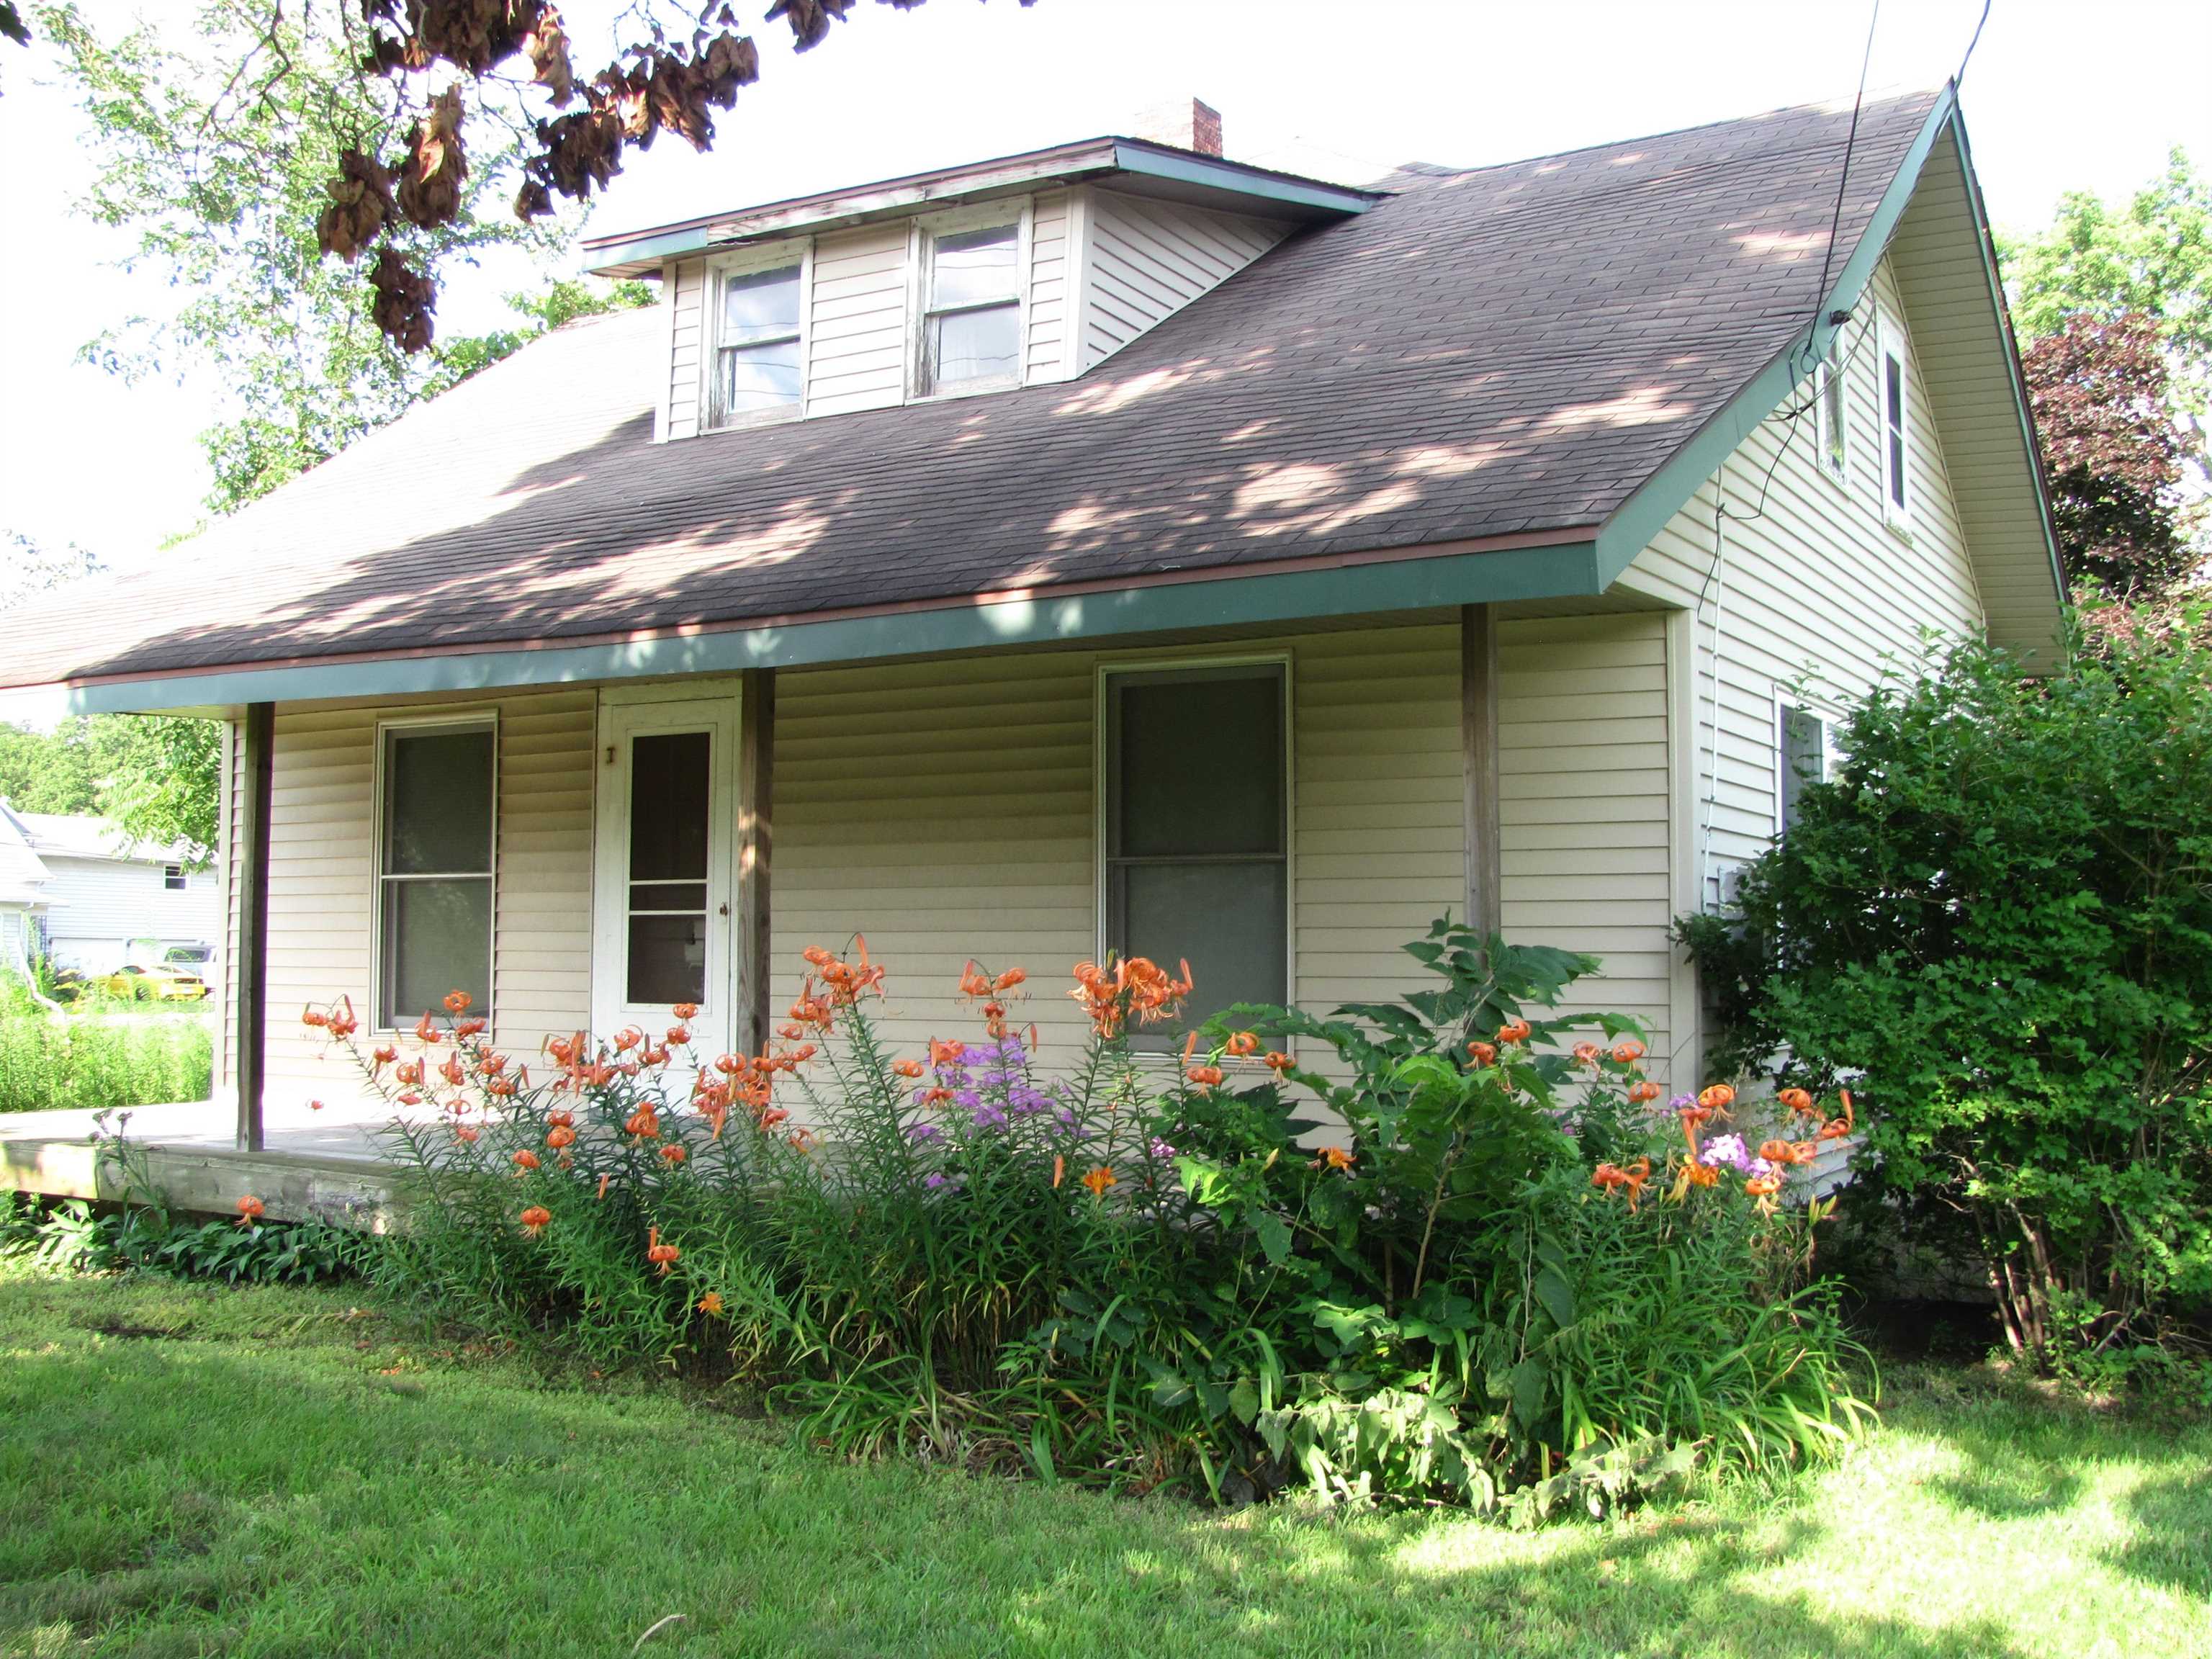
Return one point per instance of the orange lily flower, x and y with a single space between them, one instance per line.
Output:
457 1002
424 1031
906 1068
1276 1062
711 1305
1586 1054
1059 1169
1241 1045
471 1027
1099 1180
1836 1127
534 1218
1484 1053
384 1055
674 1154
663 1256
1206 1077
525 1159
1798 1101
1628 1051
560 1135
1335 1157
1717 1097
1644 1091
1513 1031
250 1210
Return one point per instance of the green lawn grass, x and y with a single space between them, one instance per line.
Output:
186 1469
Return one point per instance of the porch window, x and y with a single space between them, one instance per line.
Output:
1803 750
435 868
173 880
1197 828
971 325
1896 391
756 355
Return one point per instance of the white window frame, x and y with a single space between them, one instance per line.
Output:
1832 437
420 725
1020 214
750 262
1101 739
175 878
1893 346
1787 701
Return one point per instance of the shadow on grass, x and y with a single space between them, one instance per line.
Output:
189 1495
2173 1515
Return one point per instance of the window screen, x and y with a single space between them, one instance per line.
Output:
972 329
1196 829
433 870
756 367
1804 743
173 880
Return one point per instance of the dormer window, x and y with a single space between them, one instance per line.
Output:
971 320
757 372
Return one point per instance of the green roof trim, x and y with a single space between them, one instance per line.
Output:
1553 570
1657 501
1211 172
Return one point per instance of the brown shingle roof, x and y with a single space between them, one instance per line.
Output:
1509 350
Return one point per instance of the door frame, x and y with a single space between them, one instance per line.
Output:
624 716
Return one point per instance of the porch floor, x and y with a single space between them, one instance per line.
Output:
328 1165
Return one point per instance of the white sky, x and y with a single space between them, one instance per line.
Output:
2090 95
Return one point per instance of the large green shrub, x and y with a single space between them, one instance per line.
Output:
1481 1271
1995 923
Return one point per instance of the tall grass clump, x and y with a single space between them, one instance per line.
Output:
89 1059
1405 1252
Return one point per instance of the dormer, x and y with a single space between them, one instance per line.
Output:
1019 271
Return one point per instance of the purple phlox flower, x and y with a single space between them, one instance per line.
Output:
1023 1101
921 1132
1161 1149
1681 1101
1066 1118
937 1178
1759 1166
968 1099
988 1116
1730 1150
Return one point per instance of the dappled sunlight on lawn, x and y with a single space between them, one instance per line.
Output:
188 1468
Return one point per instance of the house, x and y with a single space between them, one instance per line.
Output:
99 899
1113 547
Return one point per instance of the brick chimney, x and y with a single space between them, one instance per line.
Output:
1187 123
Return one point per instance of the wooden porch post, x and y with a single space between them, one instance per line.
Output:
755 778
250 949
1478 680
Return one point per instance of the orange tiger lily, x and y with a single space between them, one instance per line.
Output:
664 1256
1798 1101
1644 1091
457 1002
1276 1062
1836 1127
1717 1097
535 1218
1484 1053
906 1068
525 1159
1586 1054
1241 1045
1099 1180
1335 1157
1206 1077
685 1011
1628 1051
1513 1031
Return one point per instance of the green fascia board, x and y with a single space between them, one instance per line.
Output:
1553 570
1633 525
1183 167
2001 316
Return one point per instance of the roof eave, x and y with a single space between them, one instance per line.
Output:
1204 180
1501 570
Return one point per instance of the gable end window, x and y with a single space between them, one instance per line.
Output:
1895 392
1833 413
758 372
971 311
173 880
435 828
1805 754
1197 828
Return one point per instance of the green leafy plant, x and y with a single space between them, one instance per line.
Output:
97 1057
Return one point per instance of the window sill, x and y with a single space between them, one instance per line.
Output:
768 418
966 389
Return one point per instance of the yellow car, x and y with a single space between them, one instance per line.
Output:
159 983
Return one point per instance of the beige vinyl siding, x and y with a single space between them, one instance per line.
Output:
1049 272
1584 835
857 334
946 809
322 876
687 347
1149 257
1815 585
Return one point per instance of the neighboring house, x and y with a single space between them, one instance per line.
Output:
1114 547
104 900
24 881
